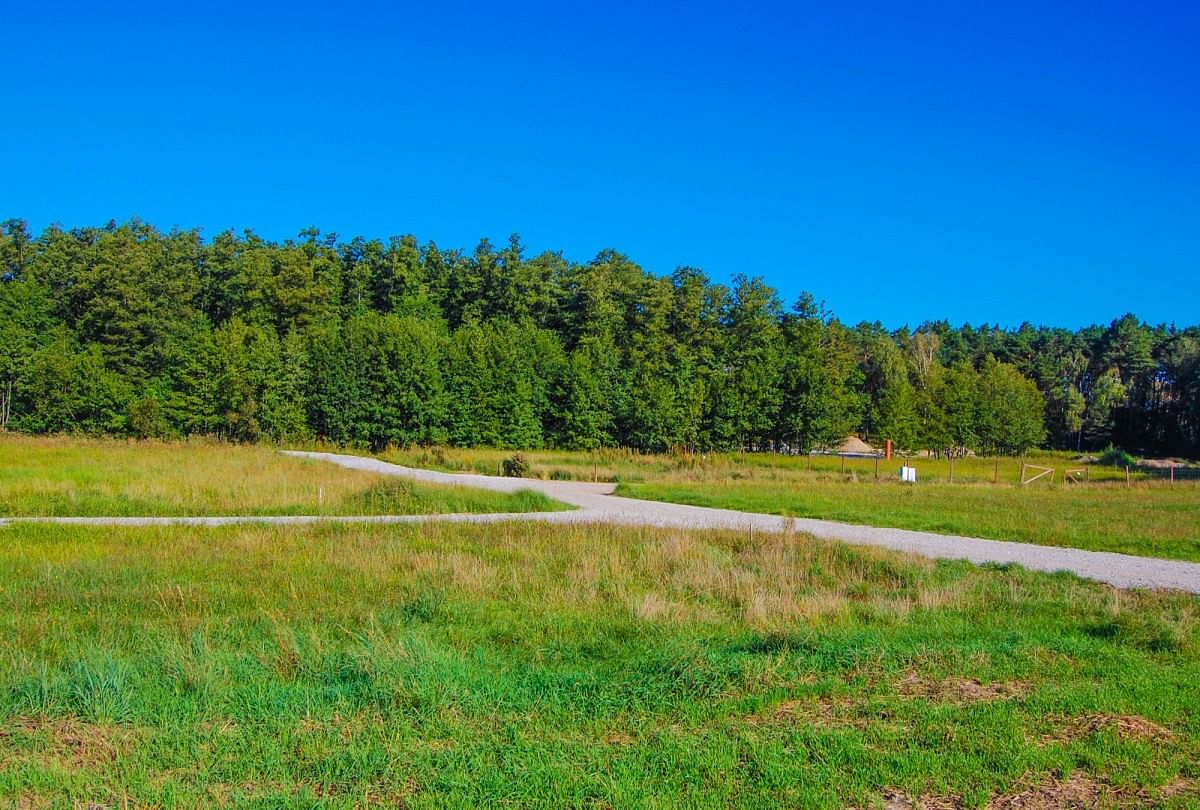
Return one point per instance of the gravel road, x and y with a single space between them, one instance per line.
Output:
596 504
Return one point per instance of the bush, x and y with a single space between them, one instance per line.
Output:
146 419
1116 457
516 466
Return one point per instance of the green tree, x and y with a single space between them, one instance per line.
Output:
820 379
1010 416
66 387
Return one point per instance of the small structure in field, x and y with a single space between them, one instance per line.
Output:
854 446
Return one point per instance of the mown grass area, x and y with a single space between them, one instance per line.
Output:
84 477
439 665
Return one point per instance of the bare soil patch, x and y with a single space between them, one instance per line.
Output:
72 742
1126 726
1052 793
960 690
619 738
820 711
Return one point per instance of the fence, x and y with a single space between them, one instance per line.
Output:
1177 472
1037 471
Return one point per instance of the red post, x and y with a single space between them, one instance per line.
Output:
887 450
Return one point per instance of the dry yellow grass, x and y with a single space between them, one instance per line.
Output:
70 476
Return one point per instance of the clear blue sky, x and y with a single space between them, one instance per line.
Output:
980 162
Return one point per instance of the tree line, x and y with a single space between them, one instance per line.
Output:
129 330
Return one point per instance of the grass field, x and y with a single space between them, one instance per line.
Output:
985 498
436 665
67 476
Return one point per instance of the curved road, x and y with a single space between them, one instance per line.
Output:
596 504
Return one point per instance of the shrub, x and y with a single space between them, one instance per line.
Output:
1116 457
516 466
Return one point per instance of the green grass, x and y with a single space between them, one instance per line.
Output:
441 665
1158 520
79 477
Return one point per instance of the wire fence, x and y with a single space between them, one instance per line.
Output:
1174 473
1025 472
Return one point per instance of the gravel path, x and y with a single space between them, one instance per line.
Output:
596 504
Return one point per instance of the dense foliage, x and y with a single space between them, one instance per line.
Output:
127 330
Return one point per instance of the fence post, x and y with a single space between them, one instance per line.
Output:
951 469
1172 473
1022 472
996 473
876 469
843 458
1126 475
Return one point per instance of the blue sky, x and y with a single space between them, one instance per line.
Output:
1023 161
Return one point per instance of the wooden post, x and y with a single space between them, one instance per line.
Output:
1126 475
876 469
843 458
996 473
1022 472
951 469
1172 473
1087 473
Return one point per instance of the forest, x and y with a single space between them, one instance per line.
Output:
133 331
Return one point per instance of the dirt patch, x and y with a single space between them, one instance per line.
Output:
1077 790
1164 463
897 800
377 795
960 690
1126 726
32 801
619 738
71 742
819 711
1052 793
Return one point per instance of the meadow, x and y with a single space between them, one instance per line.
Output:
524 664
63 476
982 497
578 666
